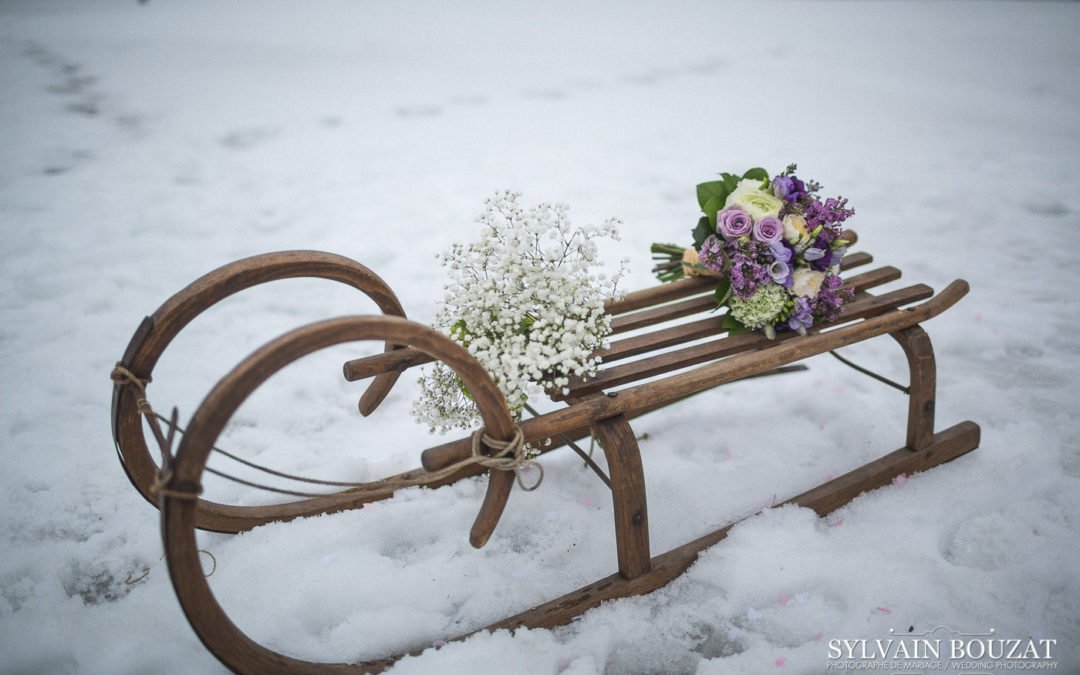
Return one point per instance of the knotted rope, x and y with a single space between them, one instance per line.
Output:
505 456
121 376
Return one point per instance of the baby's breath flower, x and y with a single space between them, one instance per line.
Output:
525 302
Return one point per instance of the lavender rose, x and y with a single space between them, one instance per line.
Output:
768 230
733 223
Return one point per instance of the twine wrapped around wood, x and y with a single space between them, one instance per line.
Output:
160 488
121 375
505 456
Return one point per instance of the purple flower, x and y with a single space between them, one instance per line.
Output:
812 254
781 251
829 213
768 230
712 256
830 299
799 191
802 318
780 270
833 257
781 273
750 262
788 188
782 186
733 223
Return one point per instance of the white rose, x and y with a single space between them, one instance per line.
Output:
795 228
749 195
806 282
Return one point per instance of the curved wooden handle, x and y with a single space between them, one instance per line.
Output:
157 331
499 486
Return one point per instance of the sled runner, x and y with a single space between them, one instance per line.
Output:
665 347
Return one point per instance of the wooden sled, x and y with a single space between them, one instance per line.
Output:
662 318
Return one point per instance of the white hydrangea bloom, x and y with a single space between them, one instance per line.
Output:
761 308
526 301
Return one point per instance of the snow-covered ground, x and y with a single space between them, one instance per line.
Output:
145 144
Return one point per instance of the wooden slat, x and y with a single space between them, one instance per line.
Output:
662 293
872 279
397 359
669 312
853 260
662 338
864 305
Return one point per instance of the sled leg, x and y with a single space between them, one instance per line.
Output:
627 494
923 383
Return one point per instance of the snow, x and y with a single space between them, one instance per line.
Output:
146 144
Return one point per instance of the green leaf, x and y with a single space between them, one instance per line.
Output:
711 197
715 189
734 326
723 292
731 181
704 229
757 173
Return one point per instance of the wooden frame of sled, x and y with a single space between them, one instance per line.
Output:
662 318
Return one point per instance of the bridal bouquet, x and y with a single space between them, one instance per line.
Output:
527 301
774 246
